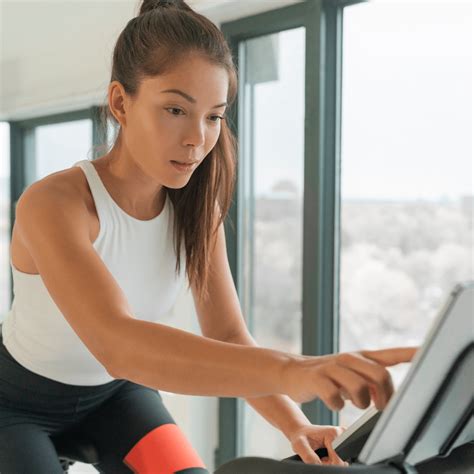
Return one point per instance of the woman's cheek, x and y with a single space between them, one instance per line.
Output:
215 138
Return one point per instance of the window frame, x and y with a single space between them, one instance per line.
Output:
323 22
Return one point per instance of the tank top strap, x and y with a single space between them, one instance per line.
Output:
100 194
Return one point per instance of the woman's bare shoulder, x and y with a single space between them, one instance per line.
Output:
67 188
66 180
70 183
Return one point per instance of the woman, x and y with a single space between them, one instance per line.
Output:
97 256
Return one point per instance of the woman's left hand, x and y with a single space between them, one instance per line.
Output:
307 438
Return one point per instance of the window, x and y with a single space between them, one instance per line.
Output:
5 284
58 146
406 159
272 158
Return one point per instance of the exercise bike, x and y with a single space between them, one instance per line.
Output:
73 448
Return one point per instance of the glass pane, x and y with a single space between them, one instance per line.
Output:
272 161
407 191
5 289
59 146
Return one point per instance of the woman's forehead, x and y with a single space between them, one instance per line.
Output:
212 92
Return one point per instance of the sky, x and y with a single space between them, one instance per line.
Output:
407 100
406 104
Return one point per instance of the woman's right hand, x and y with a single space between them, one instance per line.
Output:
359 376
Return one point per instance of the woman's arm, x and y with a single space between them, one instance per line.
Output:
52 221
278 409
176 361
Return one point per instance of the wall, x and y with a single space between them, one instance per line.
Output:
56 56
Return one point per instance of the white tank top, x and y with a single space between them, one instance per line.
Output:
141 257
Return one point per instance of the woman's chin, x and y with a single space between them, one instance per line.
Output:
178 182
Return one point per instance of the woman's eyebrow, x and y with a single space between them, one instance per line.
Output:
191 99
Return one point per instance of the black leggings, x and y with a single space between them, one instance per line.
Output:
127 422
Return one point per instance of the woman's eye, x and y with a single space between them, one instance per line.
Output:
214 118
174 108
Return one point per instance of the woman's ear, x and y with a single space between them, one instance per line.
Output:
118 102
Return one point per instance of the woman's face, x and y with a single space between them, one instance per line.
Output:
159 127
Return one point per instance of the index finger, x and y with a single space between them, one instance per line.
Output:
332 454
392 356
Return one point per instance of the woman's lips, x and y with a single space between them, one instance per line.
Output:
184 168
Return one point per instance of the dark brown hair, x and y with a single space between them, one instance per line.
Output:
163 33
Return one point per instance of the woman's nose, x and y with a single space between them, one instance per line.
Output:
196 135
